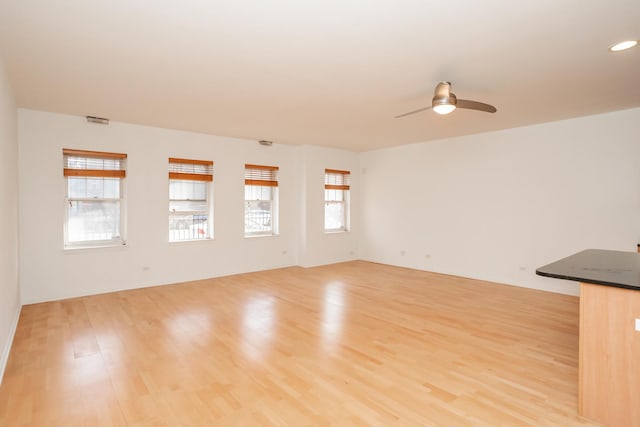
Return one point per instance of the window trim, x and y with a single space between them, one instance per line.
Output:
265 176
181 169
343 184
120 174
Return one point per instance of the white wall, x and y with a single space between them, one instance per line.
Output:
316 246
493 206
9 277
48 272
496 206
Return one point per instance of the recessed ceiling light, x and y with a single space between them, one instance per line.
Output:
627 44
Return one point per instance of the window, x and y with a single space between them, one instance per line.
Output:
260 200
94 198
189 199
336 200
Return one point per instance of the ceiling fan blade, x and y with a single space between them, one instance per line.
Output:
475 105
413 112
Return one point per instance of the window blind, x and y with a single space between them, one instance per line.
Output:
193 170
94 163
336 179
260 175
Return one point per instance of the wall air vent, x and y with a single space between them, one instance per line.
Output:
99 120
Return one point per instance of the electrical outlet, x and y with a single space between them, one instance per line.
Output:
638 325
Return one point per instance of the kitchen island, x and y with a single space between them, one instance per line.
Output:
609 346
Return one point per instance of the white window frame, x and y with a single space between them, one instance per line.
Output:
337 180
193 171
262 176
94 164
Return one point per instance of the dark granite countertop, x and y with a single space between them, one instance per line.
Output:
599 266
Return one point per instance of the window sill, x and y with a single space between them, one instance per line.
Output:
337 231
191 242
259 236
91 248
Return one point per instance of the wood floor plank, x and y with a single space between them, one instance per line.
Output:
351 344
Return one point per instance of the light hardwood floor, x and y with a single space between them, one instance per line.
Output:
352 344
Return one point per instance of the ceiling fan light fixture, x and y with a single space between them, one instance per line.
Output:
627 44
444 108
444 102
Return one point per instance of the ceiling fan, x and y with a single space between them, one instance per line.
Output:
444 102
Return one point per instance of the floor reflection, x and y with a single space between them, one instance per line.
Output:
184 326
258 326
333 315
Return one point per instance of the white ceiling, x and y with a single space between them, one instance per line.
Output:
323 72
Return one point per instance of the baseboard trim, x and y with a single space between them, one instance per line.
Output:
9 343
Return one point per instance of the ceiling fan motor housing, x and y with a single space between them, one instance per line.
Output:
444 100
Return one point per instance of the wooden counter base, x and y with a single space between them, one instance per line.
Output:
609 360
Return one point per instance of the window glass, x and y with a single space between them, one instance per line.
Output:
336 200
260 195
190 199
94 198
